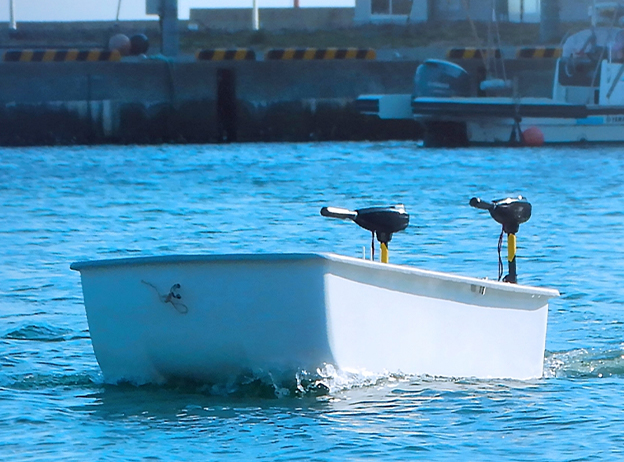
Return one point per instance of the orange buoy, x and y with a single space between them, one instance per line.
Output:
532 136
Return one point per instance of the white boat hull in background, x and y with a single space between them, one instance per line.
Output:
290 312
594 129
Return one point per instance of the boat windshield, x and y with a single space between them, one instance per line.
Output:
590 43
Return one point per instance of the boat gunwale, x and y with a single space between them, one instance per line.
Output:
276 257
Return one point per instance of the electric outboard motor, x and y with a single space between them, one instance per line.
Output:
440 78
382 222
511 213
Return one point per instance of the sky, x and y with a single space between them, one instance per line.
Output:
106 10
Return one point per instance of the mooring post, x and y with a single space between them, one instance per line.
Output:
169 28
255 16
549 21
12 23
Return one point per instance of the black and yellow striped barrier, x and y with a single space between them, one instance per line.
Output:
319 53
472 53
538 52
60 55
223 54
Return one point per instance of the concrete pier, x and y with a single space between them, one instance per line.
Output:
161 101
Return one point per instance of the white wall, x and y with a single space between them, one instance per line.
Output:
419 11
531 11
363 13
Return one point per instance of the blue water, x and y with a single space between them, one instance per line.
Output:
59 205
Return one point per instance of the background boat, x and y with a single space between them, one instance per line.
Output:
587 103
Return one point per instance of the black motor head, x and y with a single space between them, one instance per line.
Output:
510 212
383 221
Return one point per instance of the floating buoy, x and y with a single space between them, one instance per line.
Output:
533 136
121 43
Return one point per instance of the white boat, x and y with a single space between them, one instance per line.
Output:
587 103
208 317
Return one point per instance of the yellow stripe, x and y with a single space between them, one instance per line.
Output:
48 55
219 54
288 53
351 53
71 55
371 54
26 55
309 53
330 53
240 54
115 56
93 55
540 52
470 53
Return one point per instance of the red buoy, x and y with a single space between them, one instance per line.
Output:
532 136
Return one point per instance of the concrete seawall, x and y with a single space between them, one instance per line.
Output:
153 101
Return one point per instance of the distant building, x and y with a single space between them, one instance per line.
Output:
390 11
233 19
398 11
530 10
387 11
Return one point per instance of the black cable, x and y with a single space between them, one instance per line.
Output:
373 247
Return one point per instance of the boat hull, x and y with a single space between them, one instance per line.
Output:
208 317
594 129
490 121
587 106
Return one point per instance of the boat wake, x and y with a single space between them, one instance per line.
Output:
585 363
335 380
15 374
325 380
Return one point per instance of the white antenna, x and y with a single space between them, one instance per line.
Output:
255 17
12 24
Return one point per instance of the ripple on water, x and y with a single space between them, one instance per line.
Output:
67 204
584 363
41 333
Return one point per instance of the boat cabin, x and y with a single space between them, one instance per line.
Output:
592 60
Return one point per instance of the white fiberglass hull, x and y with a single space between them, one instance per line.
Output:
593 129
301 311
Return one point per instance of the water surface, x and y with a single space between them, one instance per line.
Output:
60 205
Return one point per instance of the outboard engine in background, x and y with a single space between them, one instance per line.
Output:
440 78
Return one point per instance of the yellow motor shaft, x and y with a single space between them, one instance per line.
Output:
384 252
511 247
